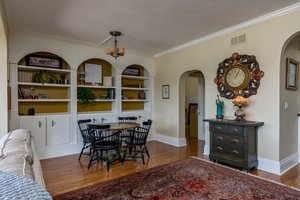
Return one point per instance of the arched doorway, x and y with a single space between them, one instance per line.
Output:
191 105
289 101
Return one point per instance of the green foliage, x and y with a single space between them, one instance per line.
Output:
44 77
85 96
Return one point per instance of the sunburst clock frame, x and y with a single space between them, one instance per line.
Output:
238 75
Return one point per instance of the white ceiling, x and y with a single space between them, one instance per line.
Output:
148 26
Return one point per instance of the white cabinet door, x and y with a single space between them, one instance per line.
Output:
106 118
58 130
37 126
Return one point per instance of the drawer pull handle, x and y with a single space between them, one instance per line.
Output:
235 130
235 140
235 152
219 127
220 148
219 138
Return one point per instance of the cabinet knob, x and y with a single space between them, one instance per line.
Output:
52 123
235 152
219 138
220 148
235 140
40 124
102 119
140 116
94 120
235 130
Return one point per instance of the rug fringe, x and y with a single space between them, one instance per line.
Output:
244 172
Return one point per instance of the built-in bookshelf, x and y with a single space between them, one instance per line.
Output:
104 90
45 89
135 88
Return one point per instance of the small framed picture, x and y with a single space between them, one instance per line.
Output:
165 91
43 61
43 96
292 70
132 71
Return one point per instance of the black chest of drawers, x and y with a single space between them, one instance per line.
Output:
234 143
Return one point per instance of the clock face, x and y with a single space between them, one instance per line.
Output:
238 75
235 77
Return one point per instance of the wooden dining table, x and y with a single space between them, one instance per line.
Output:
119 126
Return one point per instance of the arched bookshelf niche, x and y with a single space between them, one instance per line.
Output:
96 76
43 84
135 88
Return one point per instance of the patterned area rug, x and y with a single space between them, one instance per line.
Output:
189 179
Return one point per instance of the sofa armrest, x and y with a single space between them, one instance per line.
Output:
37 169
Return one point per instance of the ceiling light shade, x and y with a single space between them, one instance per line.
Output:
115 51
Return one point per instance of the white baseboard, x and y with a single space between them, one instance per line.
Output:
268 165
288 162
278 167
206 149
61 150
177 142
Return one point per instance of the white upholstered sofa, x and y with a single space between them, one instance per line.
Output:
18 155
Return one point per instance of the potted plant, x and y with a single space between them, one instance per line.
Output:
44 77
86 96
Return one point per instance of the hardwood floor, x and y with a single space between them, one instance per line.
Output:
66 173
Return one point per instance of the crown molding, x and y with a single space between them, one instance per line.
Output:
252 22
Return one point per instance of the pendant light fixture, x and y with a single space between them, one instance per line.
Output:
114 51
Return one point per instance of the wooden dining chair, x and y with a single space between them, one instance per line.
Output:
126 134
136 143
103 142
82 124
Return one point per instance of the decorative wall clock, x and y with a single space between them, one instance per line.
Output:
238 75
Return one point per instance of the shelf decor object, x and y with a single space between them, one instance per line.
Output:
43 61
240 101
44 77
238 75
132 71
292 70
86 96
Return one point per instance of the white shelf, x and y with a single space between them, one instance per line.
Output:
104 100
44 100
96 86
133 88
32 68
45 114
135 77
134 100
43 84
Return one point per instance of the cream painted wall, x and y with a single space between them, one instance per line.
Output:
265 41
288 117
3 75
